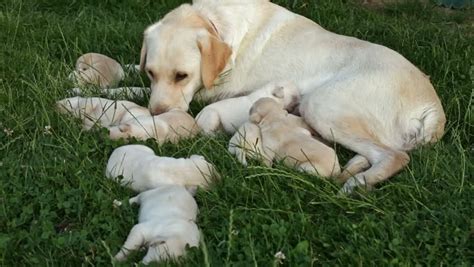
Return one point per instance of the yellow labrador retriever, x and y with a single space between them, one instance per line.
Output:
361 95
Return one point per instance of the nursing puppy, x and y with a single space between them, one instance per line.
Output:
101 111
142 170
246 143
97 69
230 114
165 226
364 96
282 138
171 126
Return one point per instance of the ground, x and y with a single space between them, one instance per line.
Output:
56 205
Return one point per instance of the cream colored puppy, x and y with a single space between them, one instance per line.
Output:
364 96
165 226
101 111
142 170
230 114
282 138
97 69
171 126
247 143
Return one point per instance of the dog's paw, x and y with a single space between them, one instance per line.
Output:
352 183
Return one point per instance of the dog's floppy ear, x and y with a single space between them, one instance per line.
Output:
214 57
143 56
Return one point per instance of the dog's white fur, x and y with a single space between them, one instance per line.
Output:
170 126
283 138
165 226
142 170
363 96
101 111
97 69
229 114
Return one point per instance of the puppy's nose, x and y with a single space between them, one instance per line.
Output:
158 110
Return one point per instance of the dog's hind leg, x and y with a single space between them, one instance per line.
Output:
357 164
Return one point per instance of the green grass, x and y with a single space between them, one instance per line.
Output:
56 205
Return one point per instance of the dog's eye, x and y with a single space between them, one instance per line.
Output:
180 76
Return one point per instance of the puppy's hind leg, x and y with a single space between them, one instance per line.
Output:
136 238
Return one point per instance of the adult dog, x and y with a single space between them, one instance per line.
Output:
363 96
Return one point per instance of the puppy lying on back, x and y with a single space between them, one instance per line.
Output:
143 170
97 69
171 126
165 226
284 138
230 114
101 111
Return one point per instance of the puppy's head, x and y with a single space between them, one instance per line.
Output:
265 107
288 94
181 54
97 69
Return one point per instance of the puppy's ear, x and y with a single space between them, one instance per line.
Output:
124 128
255 117
143 54
279 92
214 57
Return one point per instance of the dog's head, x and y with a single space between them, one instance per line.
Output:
181 54
265 107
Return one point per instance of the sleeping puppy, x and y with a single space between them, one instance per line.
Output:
143 170
97 69
170 126
283 138
230 114
165 226
101 111
247 143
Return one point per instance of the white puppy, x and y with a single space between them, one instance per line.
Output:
230 114
101 111
166 224
143 170
97 69
170 126
284 138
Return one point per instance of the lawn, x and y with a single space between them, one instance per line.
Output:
56 205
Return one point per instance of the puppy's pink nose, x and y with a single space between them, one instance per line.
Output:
158 110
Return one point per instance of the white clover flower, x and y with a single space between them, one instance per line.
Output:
8 132
47 129
279 257
117 203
